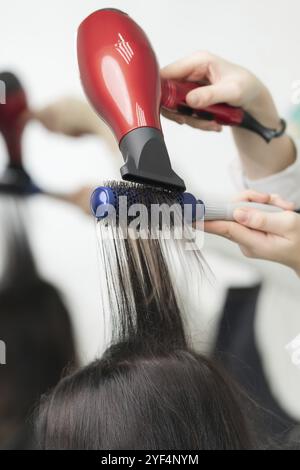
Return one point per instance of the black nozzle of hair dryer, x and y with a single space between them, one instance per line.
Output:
147 159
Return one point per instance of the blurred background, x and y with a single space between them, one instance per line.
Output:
38 43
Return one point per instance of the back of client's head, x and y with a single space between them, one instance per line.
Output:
36 328
170 401
150 390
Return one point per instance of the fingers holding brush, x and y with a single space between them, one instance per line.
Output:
250 195
79 198
264 235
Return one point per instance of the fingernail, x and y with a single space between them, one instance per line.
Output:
241 215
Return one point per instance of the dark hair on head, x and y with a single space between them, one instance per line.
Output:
149 390
36 328
171 401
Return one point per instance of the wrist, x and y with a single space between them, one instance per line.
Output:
263 108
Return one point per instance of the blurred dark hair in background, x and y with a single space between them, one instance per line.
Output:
36 328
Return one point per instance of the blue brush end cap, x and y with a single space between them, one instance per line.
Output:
101 198
194 209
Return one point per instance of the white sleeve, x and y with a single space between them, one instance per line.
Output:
286 183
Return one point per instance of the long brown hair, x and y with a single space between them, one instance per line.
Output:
150 389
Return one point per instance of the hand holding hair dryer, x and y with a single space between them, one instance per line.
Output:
120 75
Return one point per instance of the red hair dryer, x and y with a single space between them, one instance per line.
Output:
12 122
12 116
120 76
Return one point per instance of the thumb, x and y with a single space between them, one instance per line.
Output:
211 94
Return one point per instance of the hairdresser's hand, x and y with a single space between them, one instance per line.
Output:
73 117
81 198
229 83
225 83
270 236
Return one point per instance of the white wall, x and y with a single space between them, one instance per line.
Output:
37 40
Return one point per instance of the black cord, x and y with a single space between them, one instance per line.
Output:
250 123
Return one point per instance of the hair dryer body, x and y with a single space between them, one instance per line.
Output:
120 76
15 179
11 117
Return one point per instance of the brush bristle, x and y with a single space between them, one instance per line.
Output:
142 194
120 203
125 201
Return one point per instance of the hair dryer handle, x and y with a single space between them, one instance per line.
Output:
173 97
